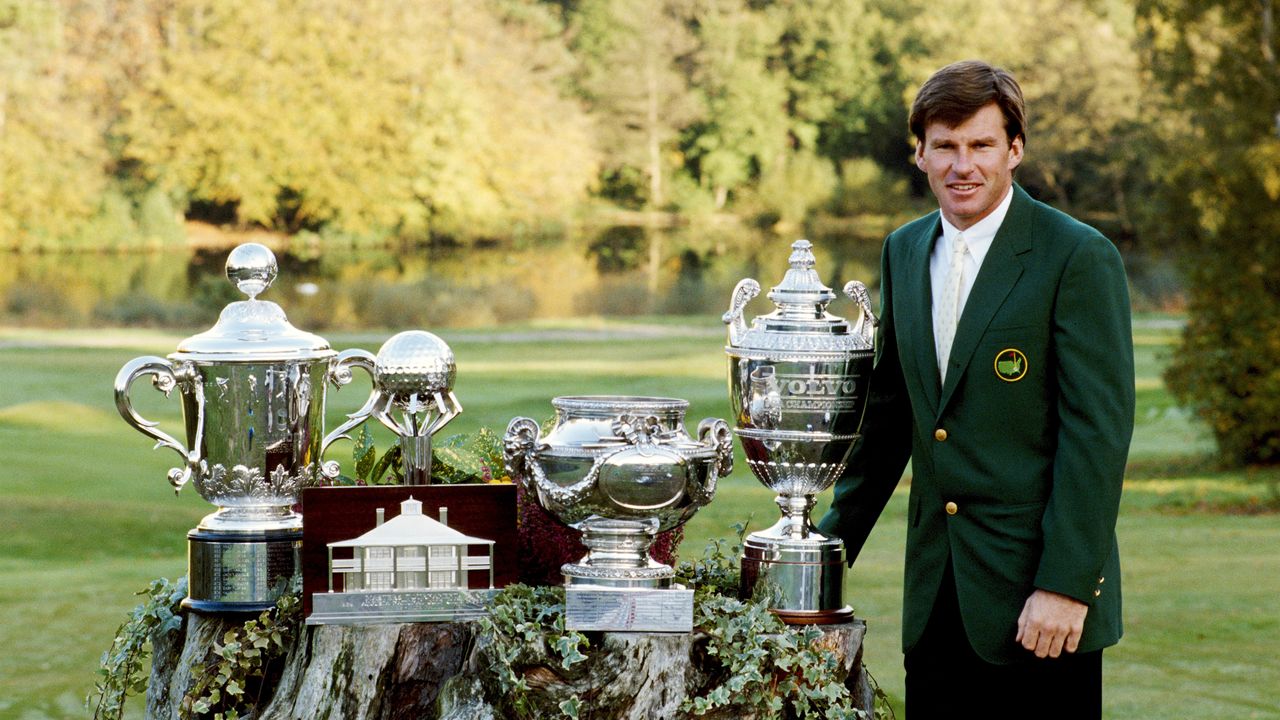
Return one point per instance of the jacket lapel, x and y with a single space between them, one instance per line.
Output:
918 321
1000 272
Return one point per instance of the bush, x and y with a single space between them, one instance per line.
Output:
1227 368
38 304
689 198
621 295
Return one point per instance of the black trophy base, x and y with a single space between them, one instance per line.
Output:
240 571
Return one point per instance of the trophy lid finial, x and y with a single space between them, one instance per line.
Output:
252 268
801 290
252 330
802 255
800 320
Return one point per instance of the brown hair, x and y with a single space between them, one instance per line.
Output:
954 93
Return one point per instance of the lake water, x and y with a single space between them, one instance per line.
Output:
609 272
615 271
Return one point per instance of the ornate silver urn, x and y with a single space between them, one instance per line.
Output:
798 381
621 469
253 395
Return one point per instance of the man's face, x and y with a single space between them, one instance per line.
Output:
970 166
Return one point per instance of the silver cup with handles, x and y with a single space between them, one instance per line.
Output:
620 469
252 392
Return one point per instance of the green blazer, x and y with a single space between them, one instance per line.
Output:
1018 460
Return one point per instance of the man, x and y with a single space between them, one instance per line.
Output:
1004 370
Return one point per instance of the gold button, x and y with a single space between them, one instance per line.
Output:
952 508
1101 580
939 434
1098 592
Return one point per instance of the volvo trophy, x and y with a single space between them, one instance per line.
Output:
620 470
253 391
798 381
413 373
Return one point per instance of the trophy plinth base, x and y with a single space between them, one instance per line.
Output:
802 578
400 606
615 609
241 571
655 576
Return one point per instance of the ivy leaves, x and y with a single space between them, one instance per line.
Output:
525 628
763 668
224 679
241 661
771 668
759 666
461 458
120 670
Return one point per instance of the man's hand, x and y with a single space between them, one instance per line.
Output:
1050 623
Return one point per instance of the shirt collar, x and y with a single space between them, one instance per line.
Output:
980 235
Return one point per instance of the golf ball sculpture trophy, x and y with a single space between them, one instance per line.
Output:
253 396
413 373
798 381
621 469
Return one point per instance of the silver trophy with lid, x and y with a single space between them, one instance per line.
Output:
413 375
252 390
798 382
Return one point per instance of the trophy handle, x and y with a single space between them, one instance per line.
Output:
715 433
743 292
449 407
520 453
339 375
857 292
165 377
438 411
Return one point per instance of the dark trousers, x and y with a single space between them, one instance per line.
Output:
946 678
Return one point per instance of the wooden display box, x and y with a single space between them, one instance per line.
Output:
332 514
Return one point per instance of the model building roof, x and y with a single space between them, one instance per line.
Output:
411 527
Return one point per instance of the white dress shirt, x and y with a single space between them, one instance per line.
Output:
978 237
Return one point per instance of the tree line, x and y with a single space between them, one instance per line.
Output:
406 118
1156 120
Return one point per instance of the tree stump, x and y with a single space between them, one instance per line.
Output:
433 670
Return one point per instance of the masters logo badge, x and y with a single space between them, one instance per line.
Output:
1011 365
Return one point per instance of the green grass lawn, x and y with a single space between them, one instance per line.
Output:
88 519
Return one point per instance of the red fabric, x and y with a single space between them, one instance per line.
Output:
546 543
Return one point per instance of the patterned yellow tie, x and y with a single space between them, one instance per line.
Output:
949 313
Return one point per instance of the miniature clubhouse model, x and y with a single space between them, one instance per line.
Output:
410 568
